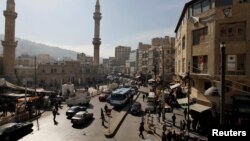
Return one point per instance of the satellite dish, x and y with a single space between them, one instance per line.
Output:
194 20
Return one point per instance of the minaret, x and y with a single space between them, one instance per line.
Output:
96 40
9 43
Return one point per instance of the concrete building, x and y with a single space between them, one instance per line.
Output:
9 43
84 59
143 58
133 62
57 73
25 75
25 60
44 58
164 57
96 40
202 26
122 54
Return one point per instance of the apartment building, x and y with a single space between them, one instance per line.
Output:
203 26
143 58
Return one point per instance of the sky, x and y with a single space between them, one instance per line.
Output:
69 24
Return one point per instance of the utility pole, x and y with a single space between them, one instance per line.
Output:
222 98
155 70
163 67
35 87
189 92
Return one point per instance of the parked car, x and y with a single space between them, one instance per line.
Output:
136 108
10 130
150 107
74 109
81 117
103 97
108 98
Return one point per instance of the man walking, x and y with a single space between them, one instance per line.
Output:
173 119
54 112
141 129
185 113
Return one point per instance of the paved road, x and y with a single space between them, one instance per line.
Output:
129 130
44 128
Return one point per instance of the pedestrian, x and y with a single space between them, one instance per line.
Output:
141 129
188 124
185 113
103 120
174 135
142 119
143 97
169 135
102 114
106 108
164 127
181 125
173 119
184 124
54 112
163 136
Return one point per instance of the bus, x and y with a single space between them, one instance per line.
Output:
120 97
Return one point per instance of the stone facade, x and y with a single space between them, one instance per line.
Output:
122 54
84 59
55 74
96 40
9 43
143 58
199 33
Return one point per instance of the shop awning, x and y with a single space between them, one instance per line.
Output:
151 80
29 99
175 86
182 101
199 108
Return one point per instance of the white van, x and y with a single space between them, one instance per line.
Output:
81 97
67 90
151 97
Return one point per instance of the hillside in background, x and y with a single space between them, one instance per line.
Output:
33 48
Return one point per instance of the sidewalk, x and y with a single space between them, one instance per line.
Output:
155 128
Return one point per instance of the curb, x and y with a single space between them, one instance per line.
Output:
114 131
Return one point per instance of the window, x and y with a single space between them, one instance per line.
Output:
205 5
179 65
200 64
236 64
183 42
225 2
183 65
199 7
199 35
246 88
233 31
207 85
196 9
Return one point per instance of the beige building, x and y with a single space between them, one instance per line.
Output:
57 73
122 54
143 58
84 59
202 26
161 54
